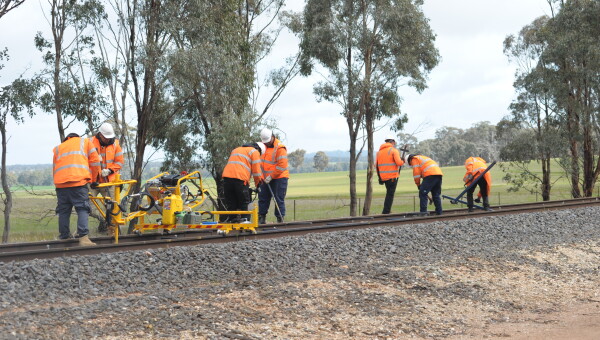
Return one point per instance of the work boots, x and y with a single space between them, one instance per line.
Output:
262 219
84 241
486 204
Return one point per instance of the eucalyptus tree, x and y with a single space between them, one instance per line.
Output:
15 98
214 79
296 158
146 51
369 48
8 5
534 109
72 92
572 53
12 102
320 160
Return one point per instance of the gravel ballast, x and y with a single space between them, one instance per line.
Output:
433 280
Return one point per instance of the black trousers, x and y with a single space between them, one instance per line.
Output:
237 195
483 187
431 184
390 190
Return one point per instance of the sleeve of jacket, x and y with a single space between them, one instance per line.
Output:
119 160
469 166
417 175
281 161
399 161
256 171
94 160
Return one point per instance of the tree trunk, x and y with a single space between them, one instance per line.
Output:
369 122
546 184
352 175
588 144
58 29
573 132
5 187
352 127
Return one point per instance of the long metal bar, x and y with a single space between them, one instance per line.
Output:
473 183
463 202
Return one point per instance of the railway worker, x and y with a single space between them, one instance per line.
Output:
475 166
243 164
388 164
275 169
75 163
427 169
112 161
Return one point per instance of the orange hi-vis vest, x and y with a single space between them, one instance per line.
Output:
475 166
76 162
244 162
112 158
388 162
423 167
275 161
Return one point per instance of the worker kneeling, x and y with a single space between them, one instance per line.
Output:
475 167
244 162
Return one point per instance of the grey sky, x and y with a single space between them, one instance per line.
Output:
472 83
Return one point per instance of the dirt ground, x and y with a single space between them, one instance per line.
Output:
478 300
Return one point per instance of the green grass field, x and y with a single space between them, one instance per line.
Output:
310 196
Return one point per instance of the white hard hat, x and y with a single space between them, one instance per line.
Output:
107 130
406 159
388 137
262 147
265 135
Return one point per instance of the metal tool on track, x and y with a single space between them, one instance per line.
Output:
456 200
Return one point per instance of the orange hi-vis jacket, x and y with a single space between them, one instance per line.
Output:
112 158
388 162
423 167
76 162
244 162
475 166
275 161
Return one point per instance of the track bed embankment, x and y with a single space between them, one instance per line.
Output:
455 279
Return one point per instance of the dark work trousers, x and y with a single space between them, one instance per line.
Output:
431 184
483 186
67 199
279 188
237 196
390 190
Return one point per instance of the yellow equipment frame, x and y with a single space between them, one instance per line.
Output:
118 219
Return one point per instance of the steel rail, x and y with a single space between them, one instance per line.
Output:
59 248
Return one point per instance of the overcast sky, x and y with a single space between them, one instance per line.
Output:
472 83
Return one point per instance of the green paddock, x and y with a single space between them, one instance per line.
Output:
310 196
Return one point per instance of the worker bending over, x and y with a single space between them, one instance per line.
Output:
475 166
112 161
75 163
243 164
427 169
275 169
388 164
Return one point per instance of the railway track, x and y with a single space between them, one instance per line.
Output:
59 248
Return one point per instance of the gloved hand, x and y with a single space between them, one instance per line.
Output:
469 178
94 185
105 172
380 182
268 179
477 200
